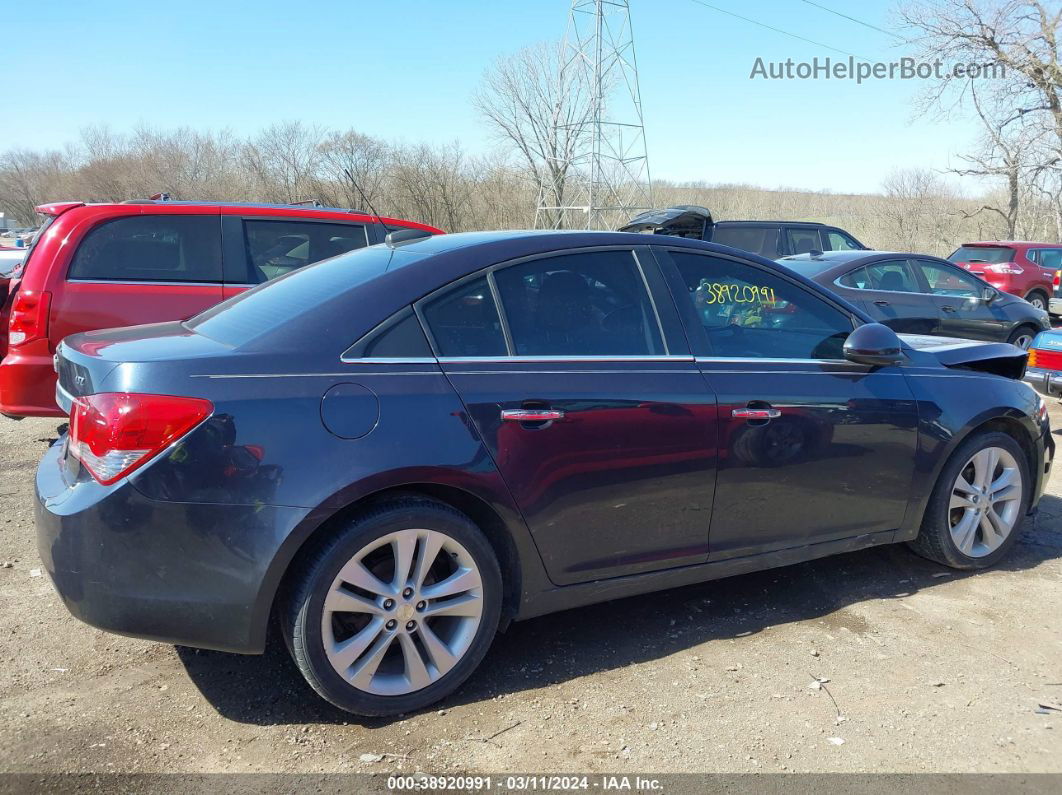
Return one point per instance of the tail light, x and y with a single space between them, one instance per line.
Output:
1058 276
1004 267
113 434
29 316
1044 360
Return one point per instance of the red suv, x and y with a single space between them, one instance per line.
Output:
1023 269
98 266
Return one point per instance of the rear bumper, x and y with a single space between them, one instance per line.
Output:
190 574
27 385
1046 382
1054 306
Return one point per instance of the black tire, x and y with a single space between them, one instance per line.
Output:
1021 331
934 540
302 611
1040 295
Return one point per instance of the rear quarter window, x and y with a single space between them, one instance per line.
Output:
151 248
762 240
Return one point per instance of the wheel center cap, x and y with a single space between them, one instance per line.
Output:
405 611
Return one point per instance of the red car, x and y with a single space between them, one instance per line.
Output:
1023 269
96 266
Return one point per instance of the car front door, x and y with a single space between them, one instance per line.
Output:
588 399
812 447
890 293
960 297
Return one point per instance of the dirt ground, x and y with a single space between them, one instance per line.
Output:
917 669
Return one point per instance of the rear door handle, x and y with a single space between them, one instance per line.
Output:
531 415
948 308
881 303
756 414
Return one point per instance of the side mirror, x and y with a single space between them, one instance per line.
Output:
989 294
873 344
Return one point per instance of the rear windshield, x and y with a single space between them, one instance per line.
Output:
249 315
762 240
982 254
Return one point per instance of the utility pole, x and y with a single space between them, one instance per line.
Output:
605 179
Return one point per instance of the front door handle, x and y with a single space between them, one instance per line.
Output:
532 415
756 414
881 303
948 308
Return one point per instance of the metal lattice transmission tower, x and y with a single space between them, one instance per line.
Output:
600 178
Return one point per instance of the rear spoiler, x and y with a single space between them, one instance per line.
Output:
57 208
684 220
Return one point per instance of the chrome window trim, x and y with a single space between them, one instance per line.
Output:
770 361
390 360
556 359
148 282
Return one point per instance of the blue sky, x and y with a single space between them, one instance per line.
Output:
406 70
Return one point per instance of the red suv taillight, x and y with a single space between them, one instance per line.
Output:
1005 267
1058 275
112 434
29 316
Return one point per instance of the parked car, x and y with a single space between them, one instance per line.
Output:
400 450
919 294
106 265
1044 368
1023 269
771 239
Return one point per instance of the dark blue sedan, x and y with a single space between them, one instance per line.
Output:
400 450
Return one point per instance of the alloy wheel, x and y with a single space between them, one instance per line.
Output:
1023 341
402 612
985 502
1038 302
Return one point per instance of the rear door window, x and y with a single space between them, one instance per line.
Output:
894 276
151 248
592 304
762 240
274 248
464 321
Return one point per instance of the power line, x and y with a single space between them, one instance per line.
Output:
779 30
857 21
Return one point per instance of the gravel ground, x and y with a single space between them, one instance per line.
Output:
871 661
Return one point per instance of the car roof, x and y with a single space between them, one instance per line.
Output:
827 265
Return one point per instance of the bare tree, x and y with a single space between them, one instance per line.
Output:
539 105
1015 41
283 161
354 168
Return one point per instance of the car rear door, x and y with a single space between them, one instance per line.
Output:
890 291
585 394
144 268
261 248
812 447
